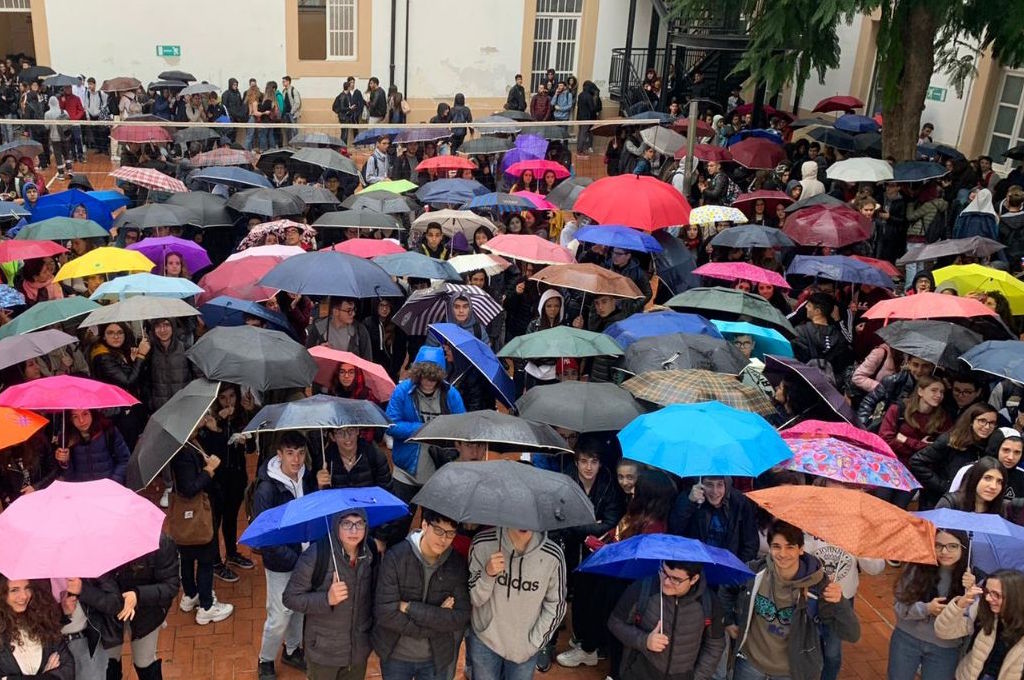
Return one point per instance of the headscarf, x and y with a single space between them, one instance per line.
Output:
982 203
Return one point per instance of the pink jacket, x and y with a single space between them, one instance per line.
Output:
876 365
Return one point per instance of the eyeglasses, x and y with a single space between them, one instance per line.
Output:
985 422
948 547
114 334
993 595
443 533
348 310
964 391
353 525
743 343
672 580
347 371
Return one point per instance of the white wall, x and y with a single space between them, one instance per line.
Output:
948 116
613 15
837 81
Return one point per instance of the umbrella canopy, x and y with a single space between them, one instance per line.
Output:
496 493
454 221
834 227
168 430
752 236
82 528
778 368
450 191
1003 358
837 103
63 392
829 136
488 264
60 80
707 152
331 273
139 308
537 202
589 278
472 353
567 192
820 199
319 412
219 163
683 350
500 202
13 250
17 425
857 522
868 143
105 260
425 134
729 304
140 134
653 205
710 438
714 214
848 463
741 271
501 432
356 219
277 251
938 342
229 311
839 430
329 360
47 313
663 140
838 268
486 145
538 166
616 236
405 263
61 229
918 171
529 248
663 322
380 201
19 348
21 147
192 255
238 178
579 406
12 211
855 170
312 194
265 202
186 136
369 248
695 385
701 128
855 123
772 199
978 246
148 178
433 305
757 153
324 159
207 210
642 556
317 139
674 264
883 266
9 297
560 342
975 278
928 306
239 279
183 76
766 340
256 357
937 151
152 215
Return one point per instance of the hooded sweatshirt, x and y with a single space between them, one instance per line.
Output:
518 611
544 370
54 112
809 180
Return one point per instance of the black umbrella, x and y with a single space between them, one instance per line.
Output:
549 132
256 357
320 412
500 493
322 159
580 406
566 193
207 209
196 134
356 219
60 80
837 139
939 342
749 236
310 194
778 368
512 114
674 264
266 203
730 304
683 350
1016 153
869 143
502 433
183 76
486 145
978 246
820 199
152 215
35 73
168 430
269 158
167 85
507 129
380 201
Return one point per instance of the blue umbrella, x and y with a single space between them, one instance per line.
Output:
855 123
240 178
1004 358
917 171
532 144
770 135
708 438
331 273
662 117
838 268
934 150
371 135
61 204
766 340
641 556
225 310
146 284
647 325
479 356
991 533
450 191
499 201
9 297
675 263
421 135
992 552
319 412
417 265
837 139
617 236
11 210
111 198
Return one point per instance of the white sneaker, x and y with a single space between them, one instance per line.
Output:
218 612
187 603
576 657
165 499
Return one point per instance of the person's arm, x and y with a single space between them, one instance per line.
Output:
102 594
481 584
387 601
187 481
925 463
864 375
621 622
300 595
119 455
552 609
870 401
890 426
747 526
167 579
400 428
444 619
712 644
954 621
840 617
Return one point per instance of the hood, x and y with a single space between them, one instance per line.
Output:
470 323
809 573
434 355
232 83
54 105
274 472
24 190
536 540
809 170
589 86
335 541
547 295
414 541
716 120
460 99
982 203
459 243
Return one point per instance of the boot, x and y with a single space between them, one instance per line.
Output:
150 672
114 670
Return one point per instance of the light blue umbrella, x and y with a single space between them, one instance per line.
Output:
9 297
145 284
766 340
417 265
995 543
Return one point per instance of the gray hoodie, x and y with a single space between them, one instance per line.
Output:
812 186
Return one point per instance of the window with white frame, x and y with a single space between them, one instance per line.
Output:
1008 117
341 29
556 32
15 6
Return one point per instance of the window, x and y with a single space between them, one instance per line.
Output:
555 39
15 6
327 29
1008 117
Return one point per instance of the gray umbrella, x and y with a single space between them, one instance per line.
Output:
683 350
18 348
311 194
315 139
502 433
939 342
196 134
60 80
152 215
198 88
380 201
325 159
580 406
207 210
319 412
503 493
266 202
356 219
485 145
139 308
256 357
168 430
566 193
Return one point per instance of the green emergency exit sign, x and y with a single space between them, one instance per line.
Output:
168 50
936 94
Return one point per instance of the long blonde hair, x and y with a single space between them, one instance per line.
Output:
937 418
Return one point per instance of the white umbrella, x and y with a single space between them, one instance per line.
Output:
139 308
860 170
279 250
490 264
452 221
663 140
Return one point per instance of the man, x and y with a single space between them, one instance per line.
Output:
342 107
433 243
645 166
281 479
812 186
235 105
350 461
378 166
72 105
550 81
340 330
279 177
926 133
671 626
95 104
717 513
1011 227
964 391
625 264
562 102
517 587
292 111
540 104
819 340
718 188
377 107
892 389
753 373
421 605
516 100
604 314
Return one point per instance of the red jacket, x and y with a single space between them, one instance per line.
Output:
894 422
73 106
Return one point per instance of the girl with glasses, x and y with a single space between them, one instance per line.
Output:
936 465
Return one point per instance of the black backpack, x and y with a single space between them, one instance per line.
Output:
937 229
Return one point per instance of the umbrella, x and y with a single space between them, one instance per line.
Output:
407 135
995 543
589 278
855 170
218 163
664 322
258 234
1016 153
837 103
503 433
529 248
35 73
277 251
696 385
319 412
239 279
757 153
432 305
511 114
111 199
47 313
830 136
488 264
450 191
395 186
642 556
972 278
538 166
380 201
148 178
883 266
772 199
838 268
653 204
139 308
17 425
12 251
537 202
121 84
683 350
140 134
741 271
356 219
977 246
468 349
820 199
183 76
838 430
168 430
752 236
938 342
486 145
1003 358
857 522
405 264
153 215
848 463
454 221
256 357
21 147
82 528
186 136
935 150
505 127
674 264
701 128
157 249
713 214
325 159
65 392
268 159
868 143
328 360
198 88
18 348
60 80
615 236
928 306
9 297
778 368
565 194
228 311
500 492
579 406
918 171
311 194
444 163
560 342
265 202
12 211
331 273
663 140
500 202
61 229
855 123
105 260
551 132
766 340
207 209
710 438
728 304
834 227
369 248
316 139
371 135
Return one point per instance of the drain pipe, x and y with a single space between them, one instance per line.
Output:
394 29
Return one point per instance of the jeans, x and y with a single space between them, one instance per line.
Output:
88 666
249 134
907 653
744 670
197 571
488 665
282 623
585 140
831 652
393 669
75 150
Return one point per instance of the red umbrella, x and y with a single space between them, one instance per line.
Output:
12 250
328 360
140 134
757 153
367 247
772 199
529 248
741 271
682 126
744 109
834 226
881 265
643 203
841 103
707 152
839 430
445 163
539 166
928 306
238 278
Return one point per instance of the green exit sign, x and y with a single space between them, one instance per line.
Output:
936 94
168 50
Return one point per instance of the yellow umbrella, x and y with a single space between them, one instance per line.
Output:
976 278
105 260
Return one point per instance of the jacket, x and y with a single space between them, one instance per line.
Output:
114 368
390 357
588 104
371 468
812 186
1011 234
272 491
359 343
601 367
72 105
233 102
540 107
921 216
516 100
935 466
693 520
953 623
562 104
896 423
105 456
400 579
294 99
406 420
377 167
378 104
609 506
10 669
169 371
718 189
891 389
810 345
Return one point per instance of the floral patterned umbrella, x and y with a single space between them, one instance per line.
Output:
710 214
845 462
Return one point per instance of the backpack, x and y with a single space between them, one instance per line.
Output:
937 229
459 116
631 655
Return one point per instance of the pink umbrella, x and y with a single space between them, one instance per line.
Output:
842 461
148 178
64 392
81 529
840 430
529 248
279 251
741 271
367 247
238 278
11 250
539 166
192 255
539 202
327 360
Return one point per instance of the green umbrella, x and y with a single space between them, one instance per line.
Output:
730 304
62 229
47 313
559 342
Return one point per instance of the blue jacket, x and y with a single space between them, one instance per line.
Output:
105 456
562 105
406 420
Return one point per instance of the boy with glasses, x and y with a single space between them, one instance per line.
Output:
340 330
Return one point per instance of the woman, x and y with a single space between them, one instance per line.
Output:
57 141
981 491
256 115
998 303
114 360
195 112
25 468
271 109
480 238
649 500
880 363
910 426
526 182
35 281
30 639
550 314
995 626
548 182
397 107
515 224
935 465
128 104
761 215
174 266
921 594
613 152
92 449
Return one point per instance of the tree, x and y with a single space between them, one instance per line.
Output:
791 38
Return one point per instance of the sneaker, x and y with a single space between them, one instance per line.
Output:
576 657
224 573
544 659
296 659
165 499
267 671
894 563
217 612
187 603
241 562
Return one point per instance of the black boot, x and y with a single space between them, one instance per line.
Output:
114 671
150 672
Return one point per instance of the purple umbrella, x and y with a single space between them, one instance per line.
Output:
193 256
776 368
533 144
516 155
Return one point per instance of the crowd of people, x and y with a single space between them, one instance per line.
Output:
416 591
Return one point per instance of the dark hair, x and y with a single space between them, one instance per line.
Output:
434 225
40 621
1011 614
426 369
920 582
292 440
967 496
691 568
518 76
374 80
962 435
824 302
793 535
653 495
1002 305
32 267
433 517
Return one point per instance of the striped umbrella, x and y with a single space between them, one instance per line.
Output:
222 157
148 178
425 307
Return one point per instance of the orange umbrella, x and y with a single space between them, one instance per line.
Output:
17 425
590 279
855 521
327 361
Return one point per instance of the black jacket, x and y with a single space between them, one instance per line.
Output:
601 367
190 478
10 669
169 371
831 346
516 100
609 506
378 105
112 367
271 493
588 105
890 389
737 513
936 465
232 101
371 468
391 358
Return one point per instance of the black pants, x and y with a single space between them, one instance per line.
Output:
232 485
592 603
197 569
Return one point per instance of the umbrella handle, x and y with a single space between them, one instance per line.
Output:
970 547
330 544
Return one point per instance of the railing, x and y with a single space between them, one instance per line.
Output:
639 61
